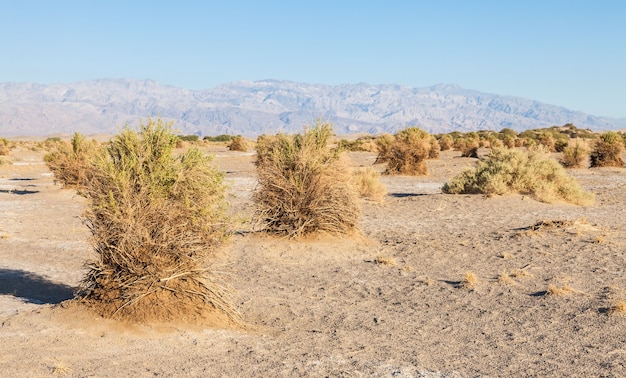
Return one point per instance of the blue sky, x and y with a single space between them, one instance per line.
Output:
567 53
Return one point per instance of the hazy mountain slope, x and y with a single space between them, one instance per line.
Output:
270 106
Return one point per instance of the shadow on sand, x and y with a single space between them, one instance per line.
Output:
32 287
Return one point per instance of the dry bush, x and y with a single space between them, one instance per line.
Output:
513 171
238 143
576 154
383 146
509 141
435 148
547 140
304 186
608 150
70 161
154 219
468 147
446 142
368 185
408 153
5 148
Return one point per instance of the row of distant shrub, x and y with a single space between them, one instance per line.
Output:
155 215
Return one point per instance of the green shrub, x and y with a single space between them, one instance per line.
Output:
219 138
154 219
608 150
304 186
513 171
188 138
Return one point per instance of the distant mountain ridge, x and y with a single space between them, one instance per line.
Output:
271 106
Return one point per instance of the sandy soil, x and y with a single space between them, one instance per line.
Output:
329 306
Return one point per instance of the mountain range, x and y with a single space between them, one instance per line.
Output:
270 106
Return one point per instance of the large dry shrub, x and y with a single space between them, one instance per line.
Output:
304 186
409 151
69 162
608 150
514 171
154 219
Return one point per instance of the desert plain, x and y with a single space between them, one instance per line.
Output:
394 301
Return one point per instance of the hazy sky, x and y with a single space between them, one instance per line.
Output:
569 53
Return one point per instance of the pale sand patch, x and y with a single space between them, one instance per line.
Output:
323 306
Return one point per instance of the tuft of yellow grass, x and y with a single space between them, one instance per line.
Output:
368 185
506 255
618 308
505 279
562 291
517 273
470 280
60 368
385 260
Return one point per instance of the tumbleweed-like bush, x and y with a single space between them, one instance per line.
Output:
576 154
304 186
608 150
154 219
513 171
69 162
238 143
409 151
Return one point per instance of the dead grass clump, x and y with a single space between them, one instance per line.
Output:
618 308
470 281
304 186
505 279
575 155
70 161
5 161
409 151
367 183
562 291
513 171
608 151
385 260
238 143
154 219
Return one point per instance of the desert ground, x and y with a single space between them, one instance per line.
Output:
389 303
